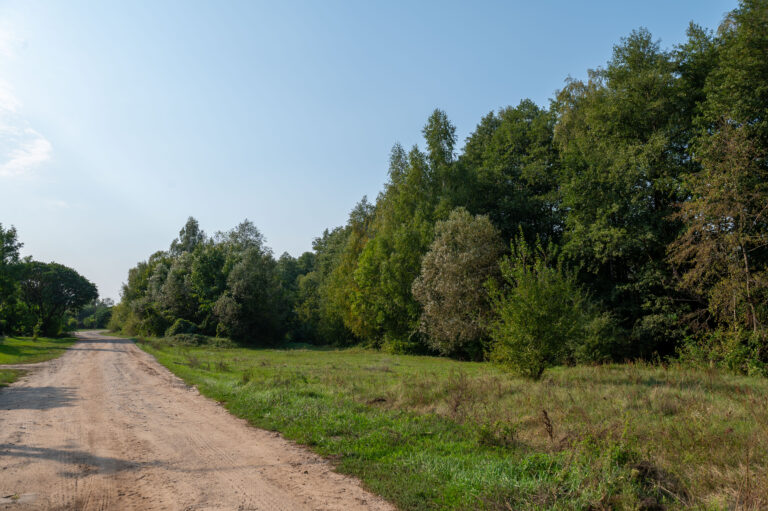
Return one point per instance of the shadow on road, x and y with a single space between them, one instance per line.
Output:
36 398
85 462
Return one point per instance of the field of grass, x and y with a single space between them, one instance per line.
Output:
25 350
431 433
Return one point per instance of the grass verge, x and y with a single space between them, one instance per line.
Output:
8 376
432 433
26 350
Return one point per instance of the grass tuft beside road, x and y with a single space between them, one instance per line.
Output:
25 350
432 433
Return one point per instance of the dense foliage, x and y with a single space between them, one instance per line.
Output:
229 285
646 183
37 298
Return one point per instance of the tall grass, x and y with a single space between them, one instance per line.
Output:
431 433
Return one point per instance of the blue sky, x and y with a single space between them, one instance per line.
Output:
120 119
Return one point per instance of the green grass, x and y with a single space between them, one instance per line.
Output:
25 350
8 376
432 433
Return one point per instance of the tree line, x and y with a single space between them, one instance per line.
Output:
39 298
625 220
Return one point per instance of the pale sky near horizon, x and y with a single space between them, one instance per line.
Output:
118 120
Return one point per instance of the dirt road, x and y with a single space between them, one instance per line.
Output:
106 427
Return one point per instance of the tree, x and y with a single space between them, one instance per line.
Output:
723 252
737 87
451 285
50 290
322 319
9 259
621 137
250 309
381 302
189 237
721 255
509 172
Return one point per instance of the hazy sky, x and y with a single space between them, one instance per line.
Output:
119 119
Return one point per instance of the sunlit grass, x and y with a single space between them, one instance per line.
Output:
432 433
8 376
26 350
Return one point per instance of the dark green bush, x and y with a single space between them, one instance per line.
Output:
543 318
199 340
181 326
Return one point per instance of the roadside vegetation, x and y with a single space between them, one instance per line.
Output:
626 221
36 298
19 350
26 350
569 312
433 433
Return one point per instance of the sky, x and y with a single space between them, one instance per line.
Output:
118 120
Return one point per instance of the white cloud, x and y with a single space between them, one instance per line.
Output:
28 152
22 148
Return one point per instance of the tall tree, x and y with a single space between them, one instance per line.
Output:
189 237
9 259
509 172
451 285
723 252
50 290
619 135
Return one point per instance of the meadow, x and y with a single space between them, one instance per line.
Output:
434 433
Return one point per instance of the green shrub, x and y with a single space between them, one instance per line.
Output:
738 351
181 326
410 346
543 318
199 340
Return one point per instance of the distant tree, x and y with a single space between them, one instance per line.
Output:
189 237
341 288
289 270
322 320
208 280
176 296
451 285
50 290
250 309
9 259
246 235
96 314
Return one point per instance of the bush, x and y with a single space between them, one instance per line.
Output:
543 318
411 346
738 351
199 340
181 326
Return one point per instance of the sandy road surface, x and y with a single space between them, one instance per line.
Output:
106 427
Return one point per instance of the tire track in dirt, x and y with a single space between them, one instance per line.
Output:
106 427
